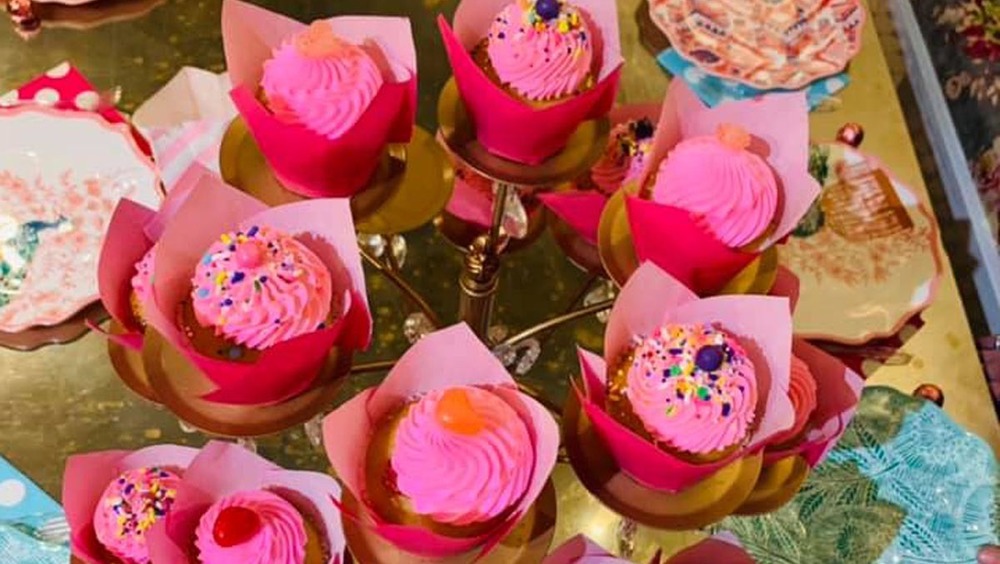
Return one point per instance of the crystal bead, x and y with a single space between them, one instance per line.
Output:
416 326
314 430
603 292
397 246
373 244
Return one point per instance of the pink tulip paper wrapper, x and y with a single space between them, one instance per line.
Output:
306 162
652 298
671 237
581 209
223 469
449 357
287 368
581 550
87 475
127 240
472 199
509 127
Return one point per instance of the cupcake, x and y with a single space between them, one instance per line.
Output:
142 285
624 158
689 388
542 52
454 461
257 513
320 80
324 100
114 499
530 72
802 391
258 288
445 456
721 186
729 190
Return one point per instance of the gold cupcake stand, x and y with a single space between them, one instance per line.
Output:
409 189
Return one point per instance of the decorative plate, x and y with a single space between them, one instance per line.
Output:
905 484
764 43
61 175
867 254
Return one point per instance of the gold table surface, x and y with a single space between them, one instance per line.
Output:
66 399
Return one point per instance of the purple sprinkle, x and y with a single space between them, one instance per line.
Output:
726 409
238 277
263 279
232 248
253 231
227 302
501 35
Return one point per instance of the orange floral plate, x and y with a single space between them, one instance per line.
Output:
867 254
764 43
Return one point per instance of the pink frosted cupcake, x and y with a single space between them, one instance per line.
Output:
261 287
730 191
802 391
455 461
320 80
624 158
142 285
541 52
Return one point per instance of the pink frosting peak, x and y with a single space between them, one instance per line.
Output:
276 536
625 155
261 287
693 387
321 81
462 455
541 57
732 191
142 281
129 506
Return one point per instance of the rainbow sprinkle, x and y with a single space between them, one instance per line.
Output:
142 501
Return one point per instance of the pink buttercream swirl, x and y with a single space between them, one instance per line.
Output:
261 287
321 81
729 189
142 281
624 157
541 59
129 507
461 478
802 392
693 387
279 539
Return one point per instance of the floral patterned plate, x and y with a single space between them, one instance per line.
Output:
764 43
867 255
61 175
905 484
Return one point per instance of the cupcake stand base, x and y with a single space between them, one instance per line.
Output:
180 386
703 504
528 542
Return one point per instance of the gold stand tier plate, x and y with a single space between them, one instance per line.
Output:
179 385
129 365
777 485
411 185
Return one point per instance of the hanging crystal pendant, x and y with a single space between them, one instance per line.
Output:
416 326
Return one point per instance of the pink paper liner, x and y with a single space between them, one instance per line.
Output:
223 469
582 210
306 162
472 199
449 357
132 231
668 236
581 550
87 475
288 368
648 300
509 127
712 550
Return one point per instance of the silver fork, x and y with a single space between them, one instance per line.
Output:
54 531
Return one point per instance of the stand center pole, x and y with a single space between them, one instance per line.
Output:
481 270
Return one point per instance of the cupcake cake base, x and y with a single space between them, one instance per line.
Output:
617 252
458 135
180 386
410 186
528 542
129 366
777 485
701 505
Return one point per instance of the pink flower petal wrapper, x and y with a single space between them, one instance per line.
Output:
87 475
581 550
290 367
509 127
581 210
222 469
652 298
470 203
306 162
671 237
720 548
132 231
449 357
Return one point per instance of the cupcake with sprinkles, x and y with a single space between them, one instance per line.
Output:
624 158
114 499
541 51
688 386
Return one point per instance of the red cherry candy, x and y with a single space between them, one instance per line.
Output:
235 525
456 413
